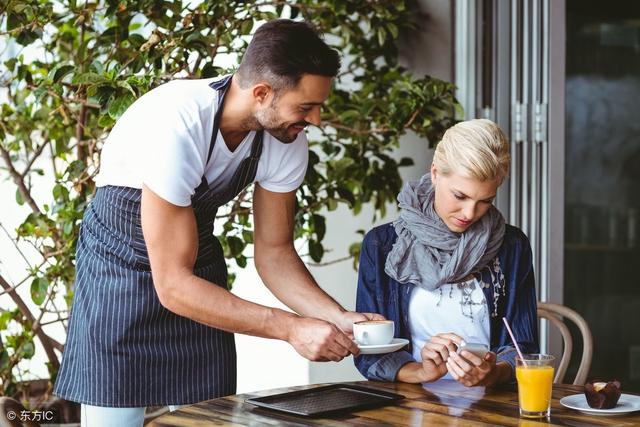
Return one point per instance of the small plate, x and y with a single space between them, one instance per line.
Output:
395 344
626 404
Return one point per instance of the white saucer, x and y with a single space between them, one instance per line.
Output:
627 403
395 344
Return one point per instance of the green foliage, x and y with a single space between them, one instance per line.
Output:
80 64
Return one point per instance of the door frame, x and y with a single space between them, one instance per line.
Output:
549 258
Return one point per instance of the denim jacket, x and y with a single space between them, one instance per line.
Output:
379 293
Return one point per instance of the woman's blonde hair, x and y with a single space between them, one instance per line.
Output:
474 149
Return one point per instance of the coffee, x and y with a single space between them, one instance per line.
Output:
373 322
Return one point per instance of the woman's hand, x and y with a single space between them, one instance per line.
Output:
471 370
436 352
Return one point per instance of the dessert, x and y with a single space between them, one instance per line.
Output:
602 394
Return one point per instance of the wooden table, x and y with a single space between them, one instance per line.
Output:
440 403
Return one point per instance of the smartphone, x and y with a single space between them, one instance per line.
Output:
477 349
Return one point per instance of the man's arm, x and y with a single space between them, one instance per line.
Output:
171 237
281 268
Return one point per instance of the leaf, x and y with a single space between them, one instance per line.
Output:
381 36
14 21
319 225
28 350
60 72
98 66
316 250
26 37
119 105
236 245
354 249
68 228
246 27
5 360
247 235
349 116
5 317
60 193
105 121
19 198
406 161
393 29
231 277
89 78
209 70
39 288
241 261
75 169
60 147
126 85
346 195
343 164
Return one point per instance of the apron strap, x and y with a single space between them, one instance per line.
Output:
221 86
256 146
246 172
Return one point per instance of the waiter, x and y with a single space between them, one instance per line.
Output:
152 321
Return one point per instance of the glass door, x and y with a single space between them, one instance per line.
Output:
602 181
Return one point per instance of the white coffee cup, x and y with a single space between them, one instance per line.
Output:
373 332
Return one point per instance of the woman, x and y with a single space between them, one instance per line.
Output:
449 268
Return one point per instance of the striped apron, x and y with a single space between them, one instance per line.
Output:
124 349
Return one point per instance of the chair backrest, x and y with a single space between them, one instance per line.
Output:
555 313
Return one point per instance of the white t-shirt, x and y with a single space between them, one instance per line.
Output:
162 141
427 318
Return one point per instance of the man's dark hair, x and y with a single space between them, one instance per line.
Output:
281 51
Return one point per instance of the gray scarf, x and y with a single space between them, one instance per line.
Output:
427 253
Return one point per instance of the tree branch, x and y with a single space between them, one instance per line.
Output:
18 179
47 342
53 159
412 118
355 131
335 261
36 154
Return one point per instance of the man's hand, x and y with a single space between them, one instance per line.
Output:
435 353
320 341
471 370
346 320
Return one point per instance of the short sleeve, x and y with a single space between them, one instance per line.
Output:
286 165
176 158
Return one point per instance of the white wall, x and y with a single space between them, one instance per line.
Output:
264 363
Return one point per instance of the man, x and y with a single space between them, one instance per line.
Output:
152 321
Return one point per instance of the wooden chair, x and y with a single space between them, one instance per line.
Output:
555 313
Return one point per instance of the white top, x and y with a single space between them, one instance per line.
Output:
162 141
427 318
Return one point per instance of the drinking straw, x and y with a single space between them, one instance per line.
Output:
504 319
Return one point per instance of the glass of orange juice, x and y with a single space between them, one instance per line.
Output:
535 379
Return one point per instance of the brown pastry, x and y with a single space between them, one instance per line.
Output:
602 394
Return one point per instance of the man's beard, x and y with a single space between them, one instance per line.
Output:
268 120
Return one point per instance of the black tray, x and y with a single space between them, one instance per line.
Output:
331 399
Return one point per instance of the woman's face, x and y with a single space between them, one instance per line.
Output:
461 201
